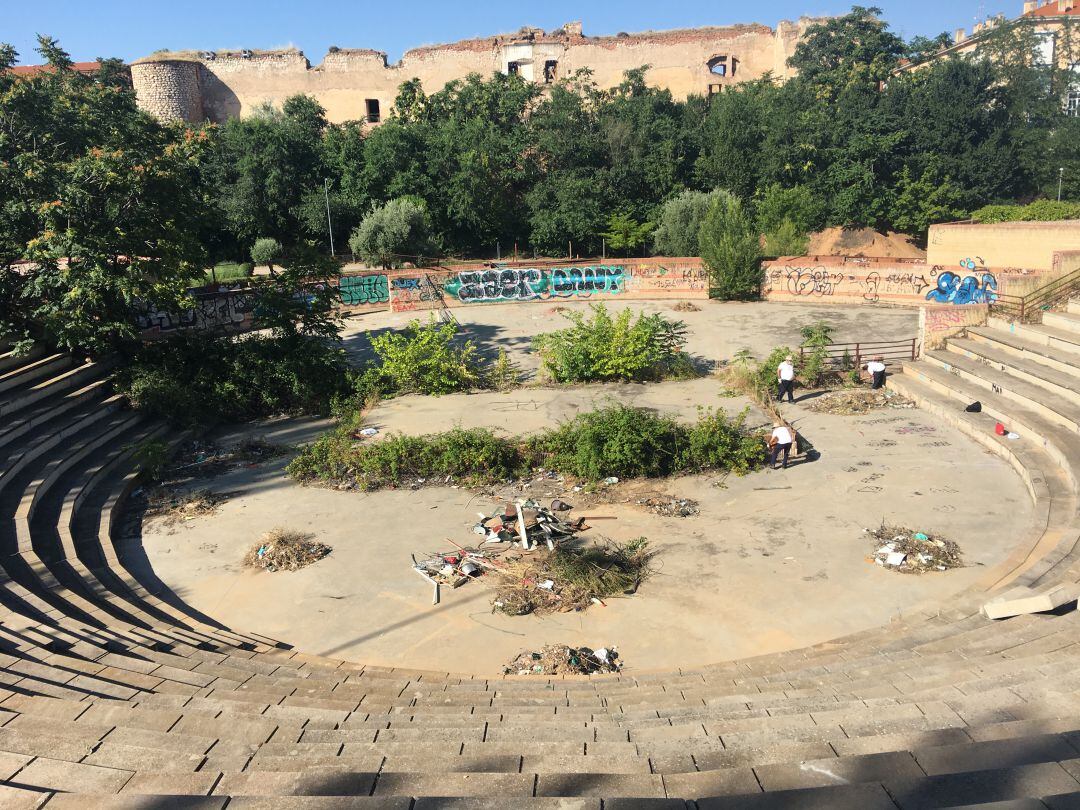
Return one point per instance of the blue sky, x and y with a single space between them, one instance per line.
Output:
130 29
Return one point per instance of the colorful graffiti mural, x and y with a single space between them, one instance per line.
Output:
225 309
358 290
531 283
951 288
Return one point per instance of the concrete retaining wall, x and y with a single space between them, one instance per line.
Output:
903 282
1030 245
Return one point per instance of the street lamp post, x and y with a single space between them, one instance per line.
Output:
329 224
1061 176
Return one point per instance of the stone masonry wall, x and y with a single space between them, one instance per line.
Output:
169 90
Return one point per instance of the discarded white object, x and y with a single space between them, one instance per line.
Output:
368 432
895 558
601 655
547 584
611 480
1012 435
1024 600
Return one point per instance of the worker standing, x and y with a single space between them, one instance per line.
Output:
781 441
785 379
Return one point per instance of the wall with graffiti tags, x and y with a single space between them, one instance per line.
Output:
940 321
902 282
523 283
226 308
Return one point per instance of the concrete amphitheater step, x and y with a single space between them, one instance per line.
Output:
9 359
1059 383
944 393
1067 321
1052 337
69 379
1073 306
30 372
1004 339
52 409
1059 403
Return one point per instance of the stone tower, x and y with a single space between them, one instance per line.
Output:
169 89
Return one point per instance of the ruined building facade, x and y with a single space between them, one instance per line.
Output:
354 84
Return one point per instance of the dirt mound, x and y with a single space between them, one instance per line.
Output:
863 242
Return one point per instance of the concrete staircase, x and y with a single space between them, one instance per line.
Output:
114 693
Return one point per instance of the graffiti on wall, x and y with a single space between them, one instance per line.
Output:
529 284
975 288
223 310
808 281
664 278
415 292
357 290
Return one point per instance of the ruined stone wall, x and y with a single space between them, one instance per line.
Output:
234 83
1030 245
169 90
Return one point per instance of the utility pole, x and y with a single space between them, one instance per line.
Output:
498 251
1061 176
329 224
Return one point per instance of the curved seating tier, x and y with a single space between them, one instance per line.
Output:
114 693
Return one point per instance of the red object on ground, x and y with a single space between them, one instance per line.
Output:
999 429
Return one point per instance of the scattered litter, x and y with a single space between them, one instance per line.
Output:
367 432
570 579
670 507
611 480
858 401
686 306
286 550
176 507
974 407
558 659
204 459
911 552
1011 435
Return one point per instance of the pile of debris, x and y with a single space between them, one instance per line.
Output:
670 507
686 306
909 552
178 506
570 578
528 523
454 568
858 401
558 659
285 550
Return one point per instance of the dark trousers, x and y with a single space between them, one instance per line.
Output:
775 452
785 386
879 379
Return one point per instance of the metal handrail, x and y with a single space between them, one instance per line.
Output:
906 349
1027 306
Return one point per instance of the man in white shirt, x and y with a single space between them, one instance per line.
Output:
876 367
780 442
785 379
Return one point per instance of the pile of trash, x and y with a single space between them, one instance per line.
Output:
858 401
178 506
908 552
558 659
670 507
527 522
686 306
570 578
285 550
454 568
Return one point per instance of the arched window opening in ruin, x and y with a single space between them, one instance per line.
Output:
718 66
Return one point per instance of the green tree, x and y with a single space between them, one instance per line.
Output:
394 232
731 250
626 233
680 222
266 250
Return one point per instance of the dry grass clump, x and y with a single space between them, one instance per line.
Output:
686 306
175 506
578 577
285 550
